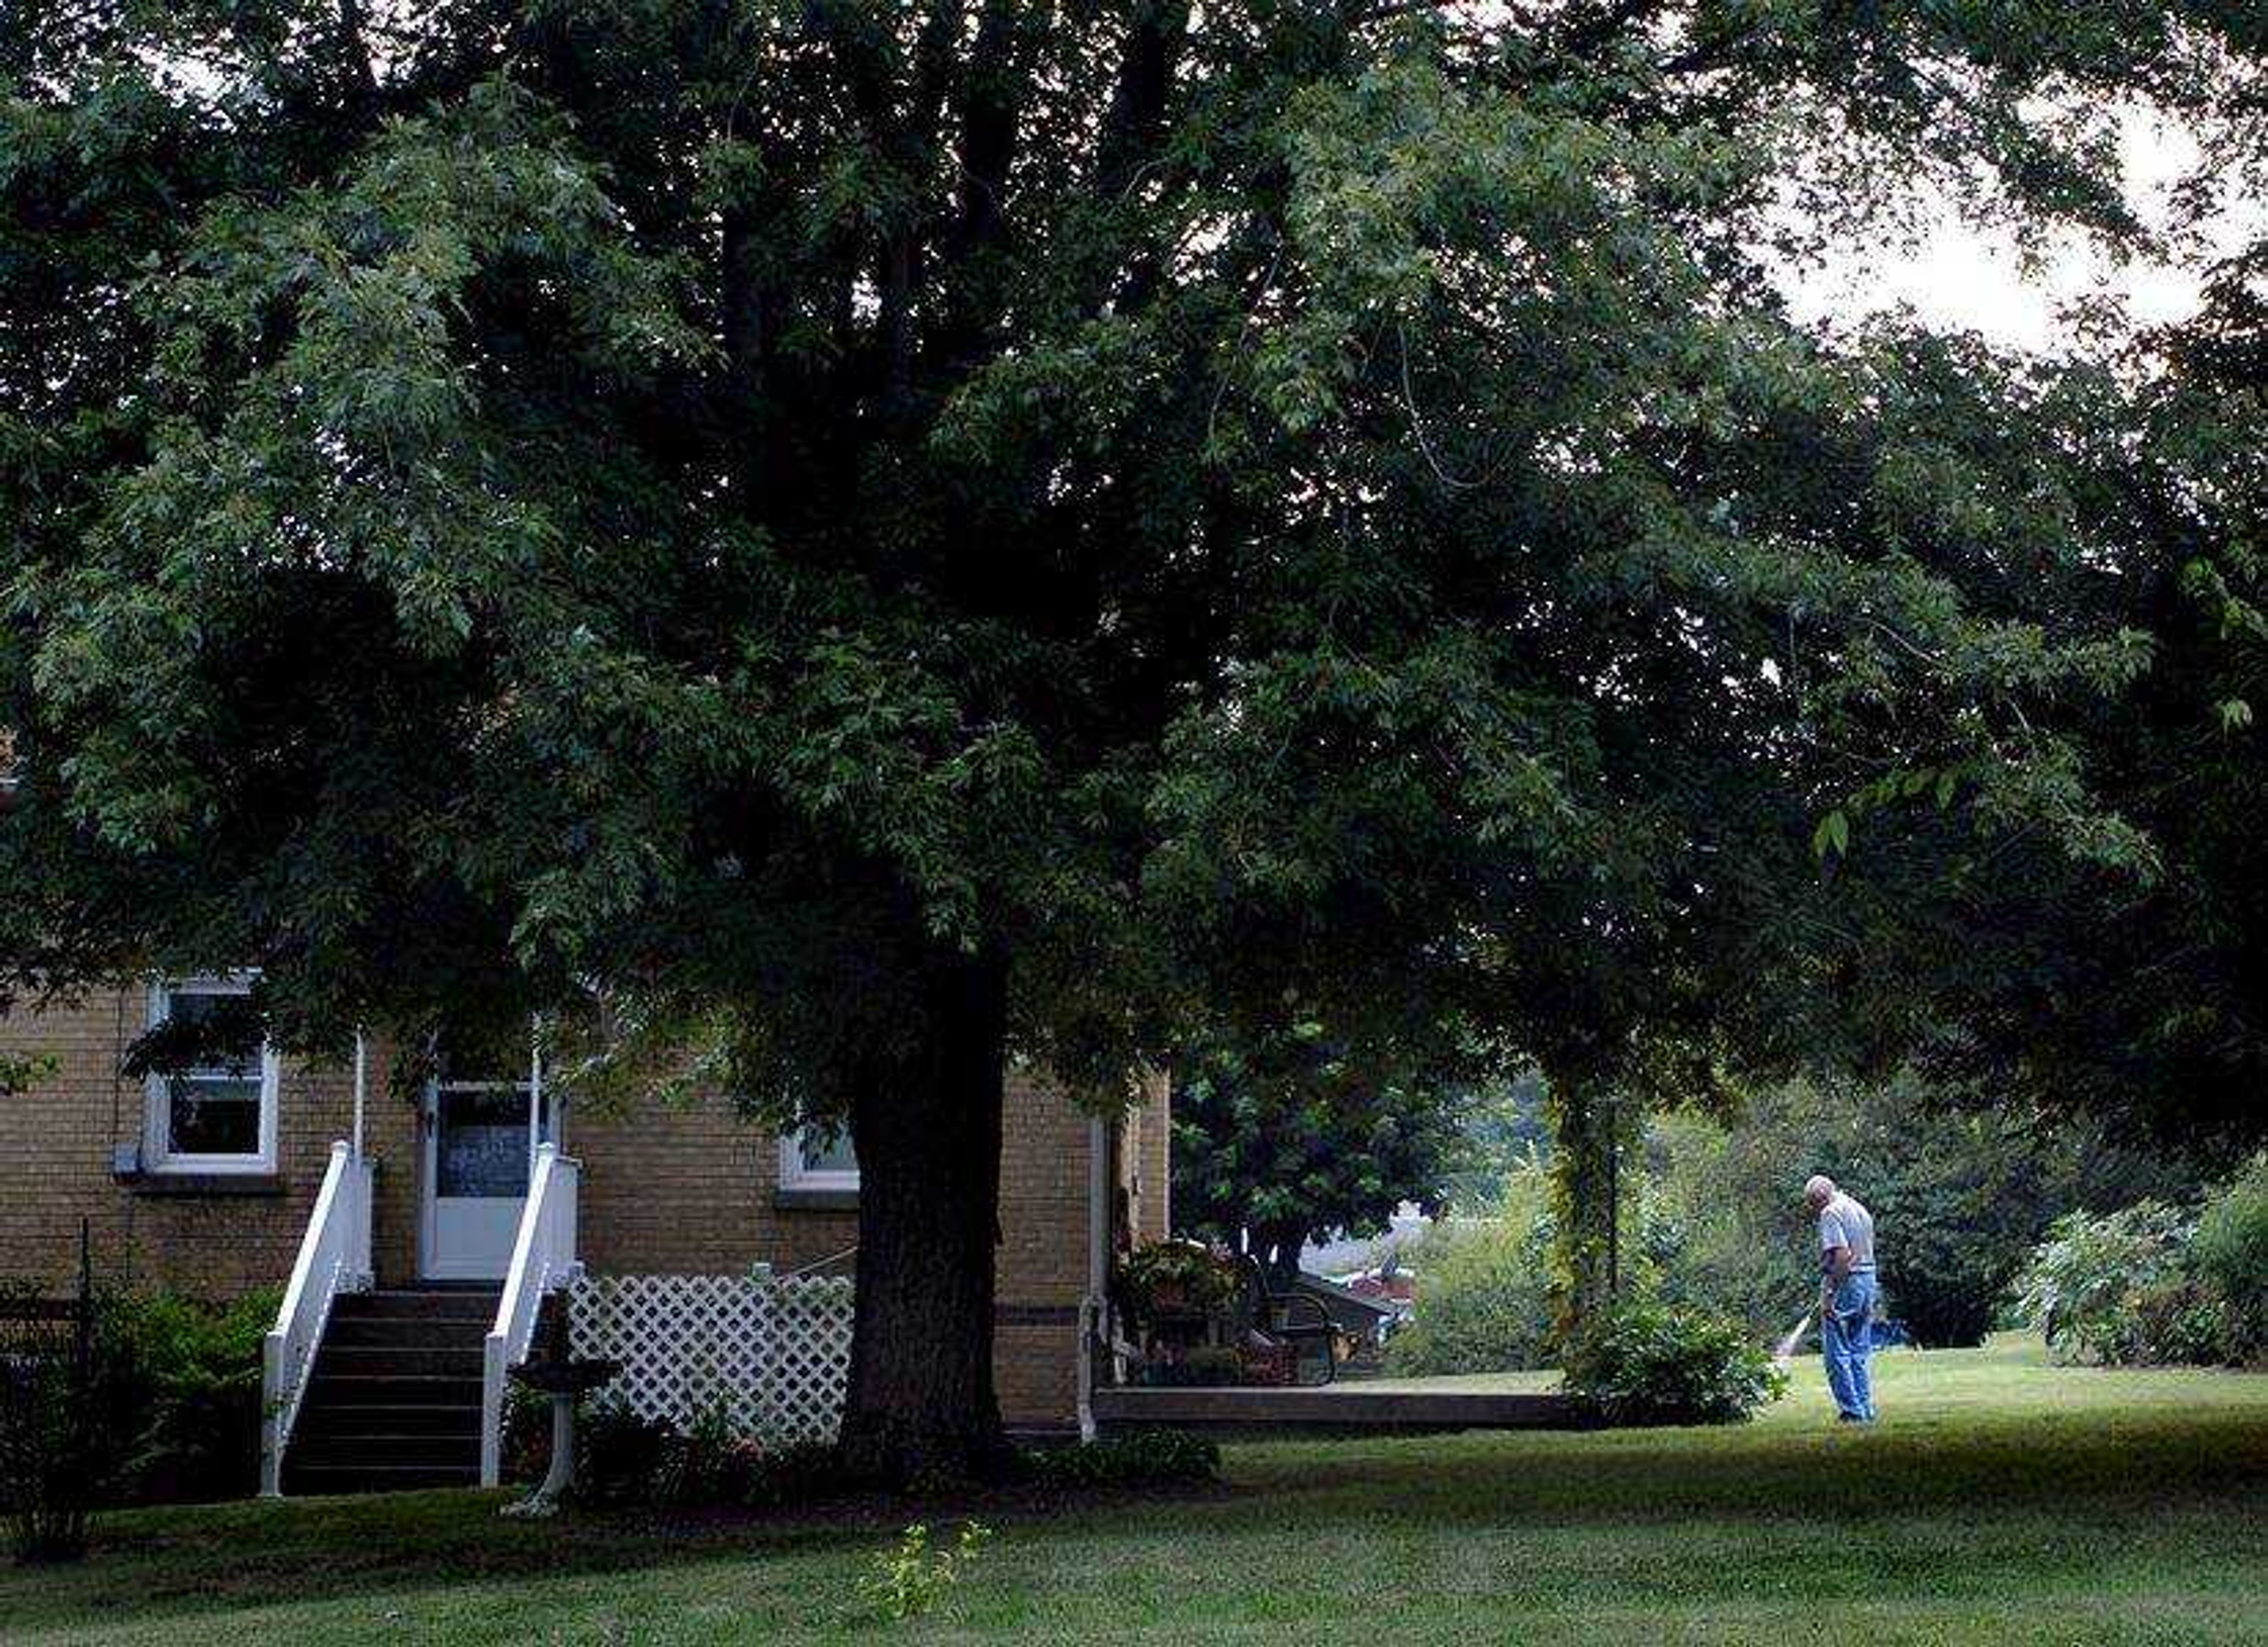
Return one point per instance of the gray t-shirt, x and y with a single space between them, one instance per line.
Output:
1843 1222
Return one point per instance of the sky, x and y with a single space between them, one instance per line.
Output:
1960 276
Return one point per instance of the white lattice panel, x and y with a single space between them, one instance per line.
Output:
776 1352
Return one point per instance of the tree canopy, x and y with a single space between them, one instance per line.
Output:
825 545
1282 1139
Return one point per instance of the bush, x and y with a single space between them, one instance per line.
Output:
2230 1252
912 1577
2080 1287
2178 1322
622 1459
527 1452
1207 1367
195 1376
64 1426
1481 1292
772 1478
1148 1457
707 1463
618 1454
1647 1363
167 1411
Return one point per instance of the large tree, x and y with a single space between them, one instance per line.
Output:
1283 1139
826 545
2135 1002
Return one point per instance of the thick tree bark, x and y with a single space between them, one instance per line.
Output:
1593 1128
927 1130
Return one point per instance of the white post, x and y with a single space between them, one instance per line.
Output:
492 1387
535 1094
361 1081
1091 1307
271 1416
360 1272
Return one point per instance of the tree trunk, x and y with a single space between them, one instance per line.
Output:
1589 1122
927 1131
1279 1245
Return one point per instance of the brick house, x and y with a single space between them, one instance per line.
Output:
241 1174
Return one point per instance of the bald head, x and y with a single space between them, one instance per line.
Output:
1818 1190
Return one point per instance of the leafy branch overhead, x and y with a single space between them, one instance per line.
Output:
820 546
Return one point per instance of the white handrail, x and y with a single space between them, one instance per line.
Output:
543 1261
333 1258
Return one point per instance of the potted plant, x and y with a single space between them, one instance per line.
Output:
1173 1278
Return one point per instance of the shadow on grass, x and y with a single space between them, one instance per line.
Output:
2162 1469
148 1566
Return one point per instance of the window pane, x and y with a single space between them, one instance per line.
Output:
237 1059
214 1116
483 1146
826 1150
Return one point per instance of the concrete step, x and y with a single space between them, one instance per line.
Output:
355 1389
395 1398
320 1417
377 1361
323 1451
308 1481
468 1303
407 1332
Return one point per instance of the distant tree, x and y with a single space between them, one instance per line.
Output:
1960 1197
1508 1133
1282 1139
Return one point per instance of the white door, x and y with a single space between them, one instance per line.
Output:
477 1155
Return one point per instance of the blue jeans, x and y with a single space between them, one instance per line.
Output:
1846 1339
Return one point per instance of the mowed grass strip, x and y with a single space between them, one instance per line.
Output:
2001 1500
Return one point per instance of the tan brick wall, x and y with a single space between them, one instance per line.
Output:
679 1190
55 1149
1154 1132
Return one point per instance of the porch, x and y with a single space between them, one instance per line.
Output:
1357 1407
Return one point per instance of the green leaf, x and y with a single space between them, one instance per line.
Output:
1833 835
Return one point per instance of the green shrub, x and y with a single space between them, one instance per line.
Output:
2082 1282
1207 1366
2230 1250
195 1371
51 1467
2180 1321
527 1452
1651 1364
66 1425
773 1478
705 1464
1483 1292
618 1454
1149 1457
622 1459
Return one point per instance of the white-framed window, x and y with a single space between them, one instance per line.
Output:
818 1157
217 1114
478 1117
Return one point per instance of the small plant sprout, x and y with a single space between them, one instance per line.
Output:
912 1577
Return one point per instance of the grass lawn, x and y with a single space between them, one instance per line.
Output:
2001 1500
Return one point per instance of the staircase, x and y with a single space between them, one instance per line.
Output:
394 1400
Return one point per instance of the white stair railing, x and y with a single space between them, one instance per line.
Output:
543 1261
333 1258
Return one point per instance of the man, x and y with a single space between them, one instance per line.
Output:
1847 1296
